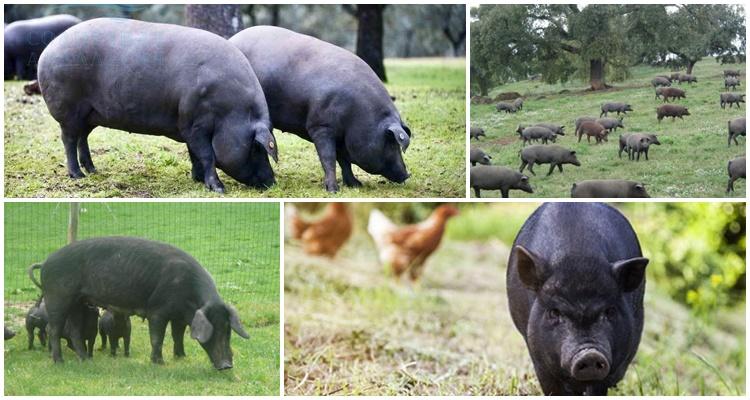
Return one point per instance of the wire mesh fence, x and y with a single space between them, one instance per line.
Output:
238 243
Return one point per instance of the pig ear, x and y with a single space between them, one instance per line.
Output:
201 328
572 153
266 139
401 137
234 322
630 273
640 187
529 268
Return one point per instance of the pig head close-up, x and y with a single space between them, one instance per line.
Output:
575 283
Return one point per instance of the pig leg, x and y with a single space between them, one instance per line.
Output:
346 168
30 334
326 148
71 132
113 343
197 170
55 324
200 145
104 339
156 329
477 192
85 154
730 185
178 337
531 167
559 166
645 152
551 168
504 192
126 343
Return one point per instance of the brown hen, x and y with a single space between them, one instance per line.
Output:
407 248
326 235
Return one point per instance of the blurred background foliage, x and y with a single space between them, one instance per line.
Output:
696 250
409 30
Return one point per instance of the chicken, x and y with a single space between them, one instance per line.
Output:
326 235
407 248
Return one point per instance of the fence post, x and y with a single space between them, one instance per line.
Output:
73 222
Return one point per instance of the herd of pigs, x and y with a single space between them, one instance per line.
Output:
489 177
223 98
128 276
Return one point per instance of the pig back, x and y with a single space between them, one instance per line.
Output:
126 273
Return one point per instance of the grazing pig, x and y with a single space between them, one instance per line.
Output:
156 281
329 96
736 170
731 72
556 129
479 156
736 128
611 124
475 132
675 76
731 82
671 110
581 120
113 326
638 143
575 284
659 93
554 155
593 129
687 78
661 81
36 318
615 188
731 98
24 42
9 334
518 103
507 107
187 84
673 93
32 88
537 132
498 178
615 107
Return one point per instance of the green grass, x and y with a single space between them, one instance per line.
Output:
691 162
350 329
430 97
236 242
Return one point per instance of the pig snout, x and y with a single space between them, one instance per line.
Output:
589 365
223 365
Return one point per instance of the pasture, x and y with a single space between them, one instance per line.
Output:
239 247
430 95
351 329
691 161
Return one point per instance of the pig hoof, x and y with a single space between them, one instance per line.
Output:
76 175
354 182
216 187
332 187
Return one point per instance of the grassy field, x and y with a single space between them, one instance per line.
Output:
352 330
430 97
691 162
239 248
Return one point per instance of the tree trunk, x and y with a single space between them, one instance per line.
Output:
691 64
456 40
275 18
409 37
370 37
596 74
222 19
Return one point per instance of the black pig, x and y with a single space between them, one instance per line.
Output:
329 96
575 283
114 326
36 318
153 280
187 84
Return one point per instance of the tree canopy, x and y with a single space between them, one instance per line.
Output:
598 42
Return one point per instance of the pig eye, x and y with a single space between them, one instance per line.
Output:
553 315
610 313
